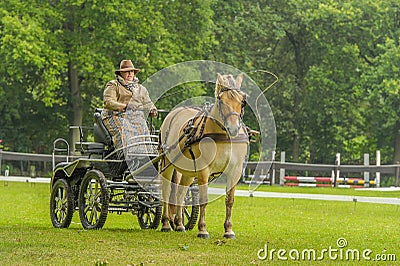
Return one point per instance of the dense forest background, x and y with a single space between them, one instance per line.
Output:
338 64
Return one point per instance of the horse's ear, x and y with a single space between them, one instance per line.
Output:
239 80
220 79
219 85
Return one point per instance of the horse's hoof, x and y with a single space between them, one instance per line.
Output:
230 236
180 229
165 229
203 235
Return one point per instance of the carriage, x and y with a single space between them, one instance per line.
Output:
98 182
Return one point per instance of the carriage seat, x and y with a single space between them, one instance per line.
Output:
101 133
90 147
102 138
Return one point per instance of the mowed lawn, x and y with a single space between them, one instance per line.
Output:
269 231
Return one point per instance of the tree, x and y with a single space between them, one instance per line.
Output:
30 72
354 38
68 50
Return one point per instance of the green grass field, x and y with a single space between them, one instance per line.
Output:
289 225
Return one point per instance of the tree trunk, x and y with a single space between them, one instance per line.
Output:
396 156
296 129
76 104
300 52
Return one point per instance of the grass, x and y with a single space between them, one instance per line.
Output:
28 238
325 190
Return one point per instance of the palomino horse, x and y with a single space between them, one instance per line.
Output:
202 143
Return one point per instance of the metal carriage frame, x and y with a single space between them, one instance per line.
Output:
99 183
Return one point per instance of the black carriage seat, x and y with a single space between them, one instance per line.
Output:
101 134
86 147
102 138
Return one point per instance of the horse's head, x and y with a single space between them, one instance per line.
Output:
230 101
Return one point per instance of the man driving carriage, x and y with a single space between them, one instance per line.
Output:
126 106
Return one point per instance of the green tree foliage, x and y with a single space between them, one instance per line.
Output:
30 75
355 41
337 62
61 54
332 58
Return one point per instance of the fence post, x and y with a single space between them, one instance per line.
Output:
366 173
396 182
337 171
378 174
282 170
1 159
272 177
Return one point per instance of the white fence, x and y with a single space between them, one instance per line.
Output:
271 172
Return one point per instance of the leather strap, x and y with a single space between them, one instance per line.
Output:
221 137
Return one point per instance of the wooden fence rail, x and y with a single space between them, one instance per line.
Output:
269 170
23 161
265 169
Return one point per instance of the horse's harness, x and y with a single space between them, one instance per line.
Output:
194 129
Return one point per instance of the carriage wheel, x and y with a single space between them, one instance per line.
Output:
149 217
61 204
93 200
190 212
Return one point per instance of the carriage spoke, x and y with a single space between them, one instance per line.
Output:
97 195
87 208
92 213
149 215
152 211
96 188
59 215
149 219
185 215
64 202
59 194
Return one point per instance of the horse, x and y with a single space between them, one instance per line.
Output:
203 143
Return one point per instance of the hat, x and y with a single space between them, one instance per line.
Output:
126 65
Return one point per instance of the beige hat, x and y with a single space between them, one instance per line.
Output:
126 65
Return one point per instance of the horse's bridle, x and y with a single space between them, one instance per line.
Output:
195 133
226 116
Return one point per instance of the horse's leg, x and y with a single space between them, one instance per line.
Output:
229 200
181 193
176 178
166 192
203 196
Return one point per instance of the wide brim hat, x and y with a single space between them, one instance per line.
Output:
126 65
